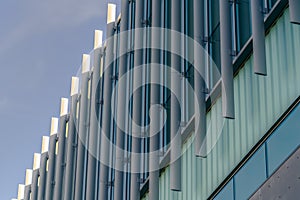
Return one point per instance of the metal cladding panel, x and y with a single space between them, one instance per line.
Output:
121 116
294 8
155 76
258 35
93 141
175 118
34 185
259 102
59 165
137 109
226 60
27 192
199 77
51 167
106 118
70 150
43 176
82 136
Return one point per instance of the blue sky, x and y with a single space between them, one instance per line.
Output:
41 45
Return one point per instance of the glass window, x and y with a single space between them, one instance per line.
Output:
188 70
166 59
251 176
213 43
226 192
190 93
241 32
284 140
270 3
167 126
243 23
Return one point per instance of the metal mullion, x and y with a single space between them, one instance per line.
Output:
83 129
228 110
266 4
234 27
137 95
129 82
237 24
100 114
258 35
147 90
129 85
208 43
107 99
122 118
176 115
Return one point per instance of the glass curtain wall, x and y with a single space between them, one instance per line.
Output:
266 160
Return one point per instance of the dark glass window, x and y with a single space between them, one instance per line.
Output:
241 32
167 127
251 176
213 40
190 93
242 23
188 69
166 59
283 141
277 148
226 193
270 3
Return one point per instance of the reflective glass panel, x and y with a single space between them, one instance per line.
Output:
284 140
251 176
226 193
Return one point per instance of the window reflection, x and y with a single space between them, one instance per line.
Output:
284 140
213 39
226 193
251 176
243 23
277 148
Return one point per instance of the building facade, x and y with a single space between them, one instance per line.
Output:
185 99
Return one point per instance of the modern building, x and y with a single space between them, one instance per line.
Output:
185 99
